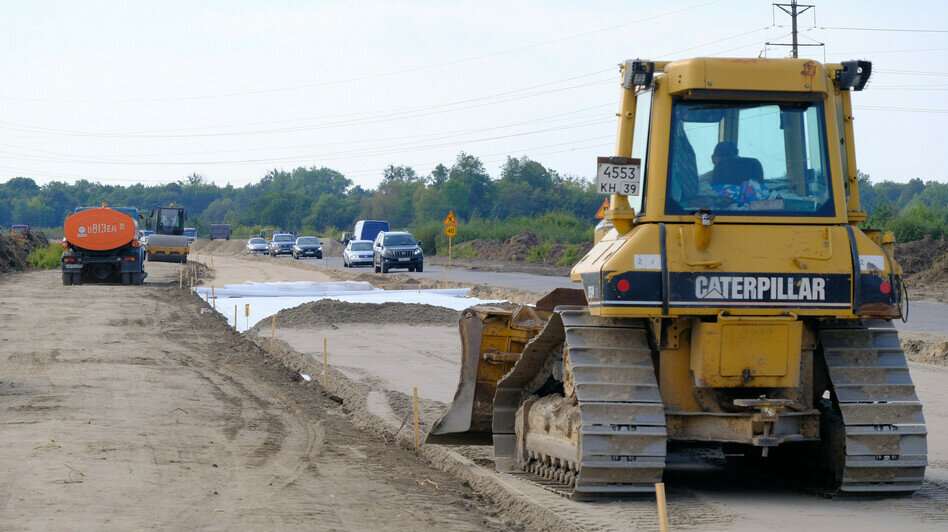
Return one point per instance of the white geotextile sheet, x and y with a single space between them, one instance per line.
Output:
308 289
262 307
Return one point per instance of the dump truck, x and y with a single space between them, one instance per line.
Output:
220 231
101 244
168 243
731 301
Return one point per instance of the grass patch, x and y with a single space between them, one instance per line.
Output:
538 253
46 258
466 252
556 228
569 258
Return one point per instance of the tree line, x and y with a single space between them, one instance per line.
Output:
320 199
323 200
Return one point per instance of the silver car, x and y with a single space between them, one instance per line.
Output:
257 245
357 253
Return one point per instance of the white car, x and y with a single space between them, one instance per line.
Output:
257 245
357 252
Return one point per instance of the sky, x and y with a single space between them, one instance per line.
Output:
149 92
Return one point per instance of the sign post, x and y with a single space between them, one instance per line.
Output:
450 230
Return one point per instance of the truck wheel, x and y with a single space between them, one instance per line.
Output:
137 278
126 278
67 279
384 267
77 278
420 268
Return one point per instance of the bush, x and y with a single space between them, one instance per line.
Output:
46 258
917 222
570 258
538 253
555 228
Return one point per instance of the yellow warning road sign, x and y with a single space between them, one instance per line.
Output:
451 231
450 219
601 213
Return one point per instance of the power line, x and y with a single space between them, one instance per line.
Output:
358 121
870 52
372 76
906 30
909 72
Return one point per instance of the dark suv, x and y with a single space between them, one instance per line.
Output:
397 249
281 243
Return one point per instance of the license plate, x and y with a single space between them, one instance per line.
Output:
403 258
618 175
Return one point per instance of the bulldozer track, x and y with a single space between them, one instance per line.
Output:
885 435
622 436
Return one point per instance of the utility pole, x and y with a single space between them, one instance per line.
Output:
794 9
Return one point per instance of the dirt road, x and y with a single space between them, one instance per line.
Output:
129 408
703 494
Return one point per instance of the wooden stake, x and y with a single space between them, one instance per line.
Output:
273 331
662 508
444 278
235 317
417 436
214 297
325 366
180 278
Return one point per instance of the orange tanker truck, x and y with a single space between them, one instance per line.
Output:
102 245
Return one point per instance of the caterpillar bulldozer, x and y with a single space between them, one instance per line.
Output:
730 300
168 243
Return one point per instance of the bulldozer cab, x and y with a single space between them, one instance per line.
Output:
750 141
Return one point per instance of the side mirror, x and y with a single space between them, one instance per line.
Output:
420 243
148 224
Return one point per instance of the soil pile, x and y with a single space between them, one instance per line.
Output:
519 246
222 247
920 256
14 250
926 348
330 312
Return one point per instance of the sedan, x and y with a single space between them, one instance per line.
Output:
357 252
257 245
307 246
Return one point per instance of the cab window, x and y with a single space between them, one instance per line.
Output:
748 158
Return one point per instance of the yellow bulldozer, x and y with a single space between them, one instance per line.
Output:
731 300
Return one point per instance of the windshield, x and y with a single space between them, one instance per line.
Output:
758 158
257 241
168 221
399 240
307 241
191 232
362 246
283 238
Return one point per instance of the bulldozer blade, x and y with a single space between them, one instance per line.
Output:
492 338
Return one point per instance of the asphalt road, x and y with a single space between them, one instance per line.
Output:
522 281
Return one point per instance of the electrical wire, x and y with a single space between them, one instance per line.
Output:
905 30
372 76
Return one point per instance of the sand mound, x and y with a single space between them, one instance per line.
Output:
926 348
330 312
